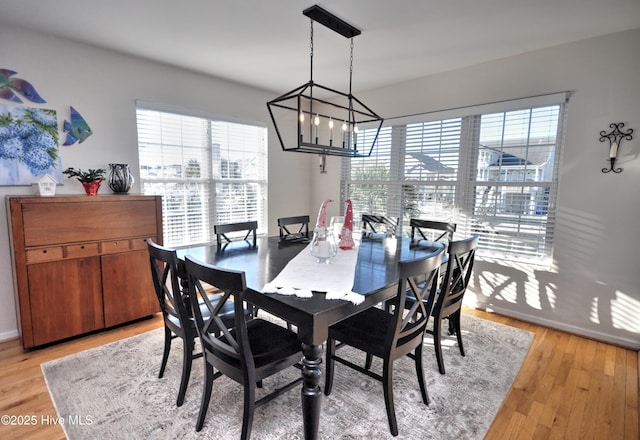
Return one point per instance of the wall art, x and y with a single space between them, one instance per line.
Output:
77 130
11 87
28 145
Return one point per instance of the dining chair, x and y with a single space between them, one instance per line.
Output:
176 310
250 352
371 222
431 230
389 334
222 230
288 224
448 302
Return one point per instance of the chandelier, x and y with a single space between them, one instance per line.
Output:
327 121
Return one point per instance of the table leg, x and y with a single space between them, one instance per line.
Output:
311 394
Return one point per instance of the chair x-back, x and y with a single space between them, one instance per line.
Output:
391 334
379 224
298 224
449 302
250 352
176 310
222 230
431 230
177 320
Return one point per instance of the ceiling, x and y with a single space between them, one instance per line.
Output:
266 43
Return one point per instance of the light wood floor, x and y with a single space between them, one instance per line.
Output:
568 387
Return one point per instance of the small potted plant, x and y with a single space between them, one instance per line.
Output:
90 180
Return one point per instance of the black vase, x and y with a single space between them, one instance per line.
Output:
120 178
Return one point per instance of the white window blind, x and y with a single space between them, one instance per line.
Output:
493 174
432 153
207 171
516 181
369 180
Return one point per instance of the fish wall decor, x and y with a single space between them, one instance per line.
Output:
10 86
77 130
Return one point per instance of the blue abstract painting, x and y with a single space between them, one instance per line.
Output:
28 145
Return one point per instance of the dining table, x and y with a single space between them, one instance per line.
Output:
375 278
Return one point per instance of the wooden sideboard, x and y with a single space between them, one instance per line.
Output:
81 263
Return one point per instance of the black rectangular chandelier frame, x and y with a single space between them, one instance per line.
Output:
342 117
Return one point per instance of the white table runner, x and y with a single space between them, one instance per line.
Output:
303 274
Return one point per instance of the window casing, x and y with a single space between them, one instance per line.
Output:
208 172
492 173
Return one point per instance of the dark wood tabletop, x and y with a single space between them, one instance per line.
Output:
376 277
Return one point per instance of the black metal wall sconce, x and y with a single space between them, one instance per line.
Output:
615 136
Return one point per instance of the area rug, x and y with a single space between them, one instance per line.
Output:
113 392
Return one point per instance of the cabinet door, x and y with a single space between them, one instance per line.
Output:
128 292
65 298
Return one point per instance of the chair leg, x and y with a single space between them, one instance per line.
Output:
368 361
387 385
249 407
456 324
437 329
420 374
206 393
167 349
328 377
452 327
187 358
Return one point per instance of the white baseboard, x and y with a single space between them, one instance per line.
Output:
8 335
623 342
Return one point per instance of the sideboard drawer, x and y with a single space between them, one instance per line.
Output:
43 255
138 244
81 250
114 246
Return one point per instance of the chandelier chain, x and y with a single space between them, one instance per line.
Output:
351 58
311 39
351 66
311 50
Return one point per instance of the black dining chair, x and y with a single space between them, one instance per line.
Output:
389 334
222 230
431 230
250 352
379 224
298 224
176 310
448 302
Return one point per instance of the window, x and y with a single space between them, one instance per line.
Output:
208 172
494 173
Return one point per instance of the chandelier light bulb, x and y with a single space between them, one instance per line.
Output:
330 132
301 126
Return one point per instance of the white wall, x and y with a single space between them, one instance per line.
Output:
103 87
594 286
